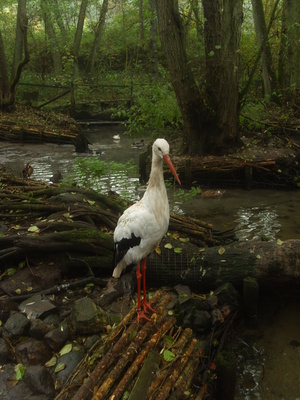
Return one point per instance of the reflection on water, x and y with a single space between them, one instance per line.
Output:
257 223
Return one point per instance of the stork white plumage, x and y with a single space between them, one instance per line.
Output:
142 226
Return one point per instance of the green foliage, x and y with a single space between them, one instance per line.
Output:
105 176
155 110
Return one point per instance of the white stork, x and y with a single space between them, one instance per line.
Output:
142 226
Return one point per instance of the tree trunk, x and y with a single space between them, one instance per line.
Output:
18 50
153 41
78 34
98 34
203 271
60 22
4 81
268 74
53 45
210 126
222 31
8 89
192 107
289 74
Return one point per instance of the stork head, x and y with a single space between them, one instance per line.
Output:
161 149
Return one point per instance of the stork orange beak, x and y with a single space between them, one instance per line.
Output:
170 165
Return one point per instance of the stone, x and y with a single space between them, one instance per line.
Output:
39 328
87 318
70 360
17 325
5 355
39 379
37 306
6 307
32 351
56 338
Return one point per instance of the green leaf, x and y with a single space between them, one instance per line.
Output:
168 246
20 371
66 349
33 228
177 250
60 367
168 355
11 271
211 54
51 362
279 242
218 47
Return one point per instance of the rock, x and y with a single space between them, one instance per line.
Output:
32 351
6 307
198 320
5 355
53 319
70 360
37 306
56 338
88 318
39 328
17 325
39 379
91 341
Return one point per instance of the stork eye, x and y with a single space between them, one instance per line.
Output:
159 148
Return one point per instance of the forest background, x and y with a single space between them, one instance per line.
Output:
210 70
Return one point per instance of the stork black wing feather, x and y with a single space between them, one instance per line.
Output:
123 246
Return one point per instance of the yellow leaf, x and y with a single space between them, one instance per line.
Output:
168 246
29 289
221 250
51 362
279 242
18 291
91 202
158 250
258 256
33 228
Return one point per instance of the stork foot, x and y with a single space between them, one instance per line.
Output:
147 306
141 315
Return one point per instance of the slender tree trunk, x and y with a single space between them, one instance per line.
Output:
53 44
18 50
4 80
153 41
268 74
60 22
141 18
78 34
289 71
98 34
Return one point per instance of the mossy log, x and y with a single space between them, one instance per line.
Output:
207 268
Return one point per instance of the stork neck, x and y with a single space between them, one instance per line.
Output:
156 178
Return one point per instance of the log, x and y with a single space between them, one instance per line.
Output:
205 269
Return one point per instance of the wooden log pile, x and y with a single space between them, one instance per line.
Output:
150 360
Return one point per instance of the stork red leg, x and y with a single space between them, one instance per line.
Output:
146 304
140 313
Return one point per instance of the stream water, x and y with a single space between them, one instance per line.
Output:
268 358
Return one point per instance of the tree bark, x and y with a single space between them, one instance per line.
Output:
153 41
289 61
78 34
193 110
222 32
268 74
98 34
53 44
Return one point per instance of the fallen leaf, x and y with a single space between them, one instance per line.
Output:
168 246
60 366
66 349
51 362
168 355
221 250
279 242
33 228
